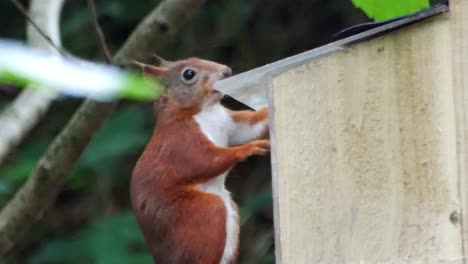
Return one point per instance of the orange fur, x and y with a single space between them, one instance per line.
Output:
250 117
180 223
173 214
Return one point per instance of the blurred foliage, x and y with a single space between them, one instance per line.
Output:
111 240
123 134
385 9
91 221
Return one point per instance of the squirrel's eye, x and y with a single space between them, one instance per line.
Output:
189 74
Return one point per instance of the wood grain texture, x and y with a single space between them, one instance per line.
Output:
459 38
364 148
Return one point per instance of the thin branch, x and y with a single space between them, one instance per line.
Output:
98 31
20 116
39 191
25 13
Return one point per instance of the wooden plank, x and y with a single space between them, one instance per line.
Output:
250 89
459 33
274 171
364 153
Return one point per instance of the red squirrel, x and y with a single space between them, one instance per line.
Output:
178 189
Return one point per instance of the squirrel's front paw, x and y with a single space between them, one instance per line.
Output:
259 147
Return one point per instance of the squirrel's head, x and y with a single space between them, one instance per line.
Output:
188 82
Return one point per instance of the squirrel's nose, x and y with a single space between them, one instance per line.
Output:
227 72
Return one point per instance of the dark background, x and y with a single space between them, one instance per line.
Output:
91 221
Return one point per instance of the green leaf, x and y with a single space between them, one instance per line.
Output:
124 133
26 160
110 240
96 81
138 88
8 77
386 9
254 204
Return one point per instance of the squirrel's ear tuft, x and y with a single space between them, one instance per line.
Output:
151 70
162 62
155 71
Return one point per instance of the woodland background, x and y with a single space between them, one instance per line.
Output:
91 221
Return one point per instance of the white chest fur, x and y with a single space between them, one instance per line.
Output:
216 124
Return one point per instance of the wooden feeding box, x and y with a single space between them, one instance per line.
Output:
370 143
